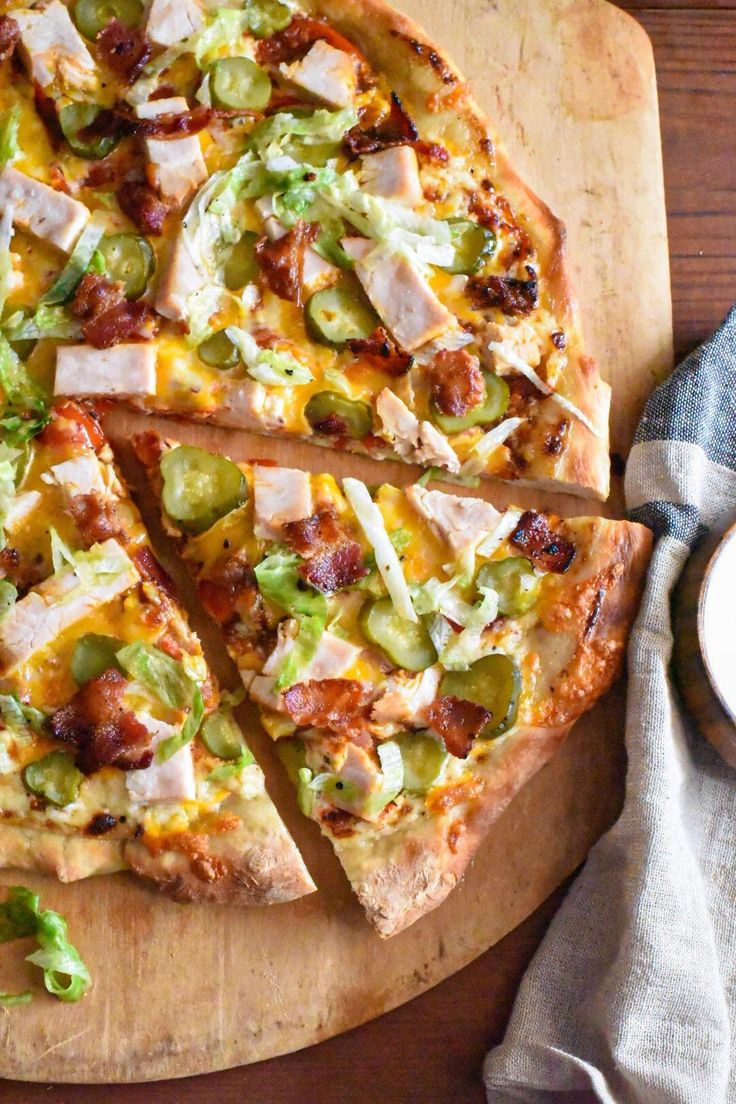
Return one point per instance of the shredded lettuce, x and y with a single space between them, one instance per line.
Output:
65 284
463 649
46 321
223 36
280 582
272 137
6 261
169 682
224 771
388 563
17 717
64 973
8 597
8 474
270 366
24 409
302 651
61 554
9 146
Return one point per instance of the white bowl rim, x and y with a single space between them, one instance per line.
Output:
728 536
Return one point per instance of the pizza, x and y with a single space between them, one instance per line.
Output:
289 217
415 655
118 751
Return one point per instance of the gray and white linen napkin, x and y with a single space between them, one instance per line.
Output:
631 998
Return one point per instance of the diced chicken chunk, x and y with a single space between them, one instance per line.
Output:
334 656
247 404
47 214
462 522
280 495
410 438
326 73
81 475
172 780
171 21
406 698
52 47
59 602
393 174
435 449
20 508
262 689
128 369
318 273
400 295
177 165
180 279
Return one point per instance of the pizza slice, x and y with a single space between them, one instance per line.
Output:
117 749
294 219
415 655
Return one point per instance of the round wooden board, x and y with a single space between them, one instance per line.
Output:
185 990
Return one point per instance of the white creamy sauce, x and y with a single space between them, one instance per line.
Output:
718 612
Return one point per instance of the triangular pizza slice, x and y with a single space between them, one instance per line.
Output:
117 749
415 655
293 219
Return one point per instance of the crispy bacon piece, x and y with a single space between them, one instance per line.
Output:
296 39
47 113
512 296
105 733
96 517
340 822
382 352
21 570
149 448
72 424
545 548
9 37
339 705
334 559
457 382
107 317
142 206
458 722
397 128
150 568
282 260
118 122
125 49
100 824
232 588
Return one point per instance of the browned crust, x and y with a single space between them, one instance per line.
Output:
68 857
239 866
439 100
598 601
428 82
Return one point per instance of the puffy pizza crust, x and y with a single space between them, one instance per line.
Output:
439 100
413 869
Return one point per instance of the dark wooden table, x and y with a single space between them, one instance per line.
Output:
431 1050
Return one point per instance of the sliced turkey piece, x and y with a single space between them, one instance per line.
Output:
47 214
177 165
325 73
126 369
52 47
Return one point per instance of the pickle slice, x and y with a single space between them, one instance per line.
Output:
406 643
200 487
493 682
55 778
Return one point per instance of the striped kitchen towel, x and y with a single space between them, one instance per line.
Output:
631 998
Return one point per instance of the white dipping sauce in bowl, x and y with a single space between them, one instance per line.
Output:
717 622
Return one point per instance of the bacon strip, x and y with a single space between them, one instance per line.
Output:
282 260
125 49
107 317
118 122
516 297
381 351
96 517
296 39
9 37
546 549
231 589
142 206
397 128
72 424
334 559
150 568
457 382
47 113
458 722
105 733
339 705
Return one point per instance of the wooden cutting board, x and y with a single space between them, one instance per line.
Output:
184 990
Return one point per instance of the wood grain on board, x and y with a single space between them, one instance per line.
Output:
180 991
